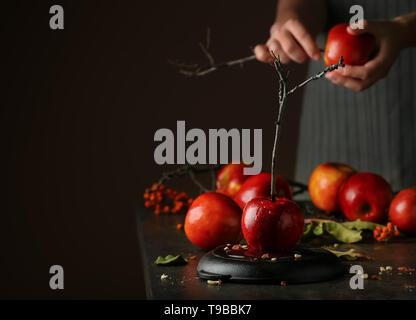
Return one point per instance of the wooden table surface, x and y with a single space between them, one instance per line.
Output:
158 236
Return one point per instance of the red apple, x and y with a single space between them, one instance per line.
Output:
213 219
272 226
325 182
259 186
356 50
402 211
365 196
230 179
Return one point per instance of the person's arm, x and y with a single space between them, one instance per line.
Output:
292 36
392 37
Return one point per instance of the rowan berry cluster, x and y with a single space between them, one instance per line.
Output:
385 233
166 200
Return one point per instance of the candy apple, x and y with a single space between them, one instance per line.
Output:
365 196
213 219
325 182
402 211
272 226
230 179
259 186
356 50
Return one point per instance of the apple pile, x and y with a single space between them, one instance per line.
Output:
365 196
242 206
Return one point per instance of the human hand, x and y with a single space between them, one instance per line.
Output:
390 40
290 40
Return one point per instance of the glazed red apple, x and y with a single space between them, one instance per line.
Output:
356 50
402 212
325 182
230 179
260 186
365 196
212 220
272 226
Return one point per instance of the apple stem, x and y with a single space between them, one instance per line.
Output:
283 94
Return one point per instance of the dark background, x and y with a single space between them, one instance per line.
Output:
79 108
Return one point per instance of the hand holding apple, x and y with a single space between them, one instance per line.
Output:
365 196
402 211
385 38
325 182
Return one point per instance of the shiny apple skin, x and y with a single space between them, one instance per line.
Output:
402 212
356 50
230 179
325 182
259 186
213 219
365 196
272 226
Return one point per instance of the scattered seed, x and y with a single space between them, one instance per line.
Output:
179 226
214 282
406 269
365 276
335 245
389 268
228 244
376 277
382 269
226 248
244 246
163 276
236 247
283 283
297 256
273 259
265 256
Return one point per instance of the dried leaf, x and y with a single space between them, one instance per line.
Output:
341 233
346 232
171 260
349 254
361 225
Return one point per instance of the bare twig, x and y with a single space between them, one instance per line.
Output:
319 75
194 70
283 94
189 171
197 183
